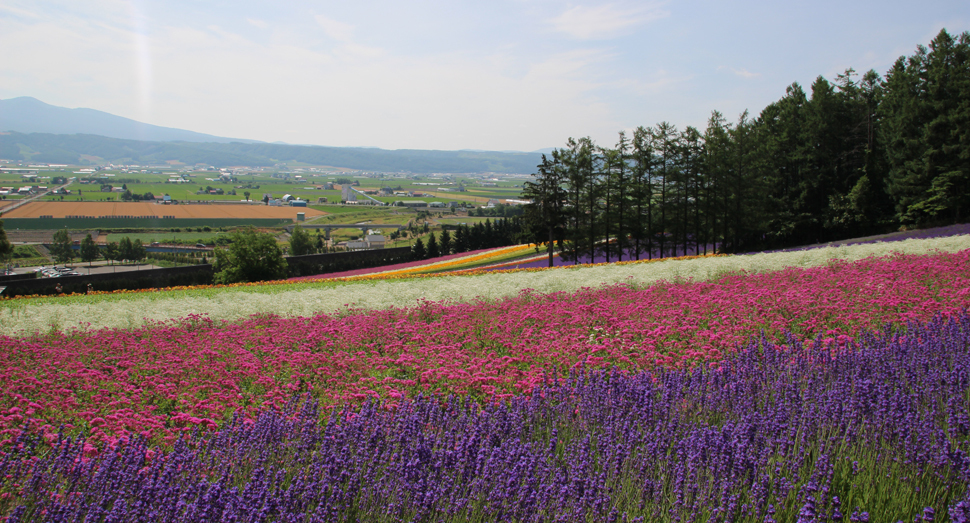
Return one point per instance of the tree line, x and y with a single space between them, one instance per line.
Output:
857 156
481 235
62 249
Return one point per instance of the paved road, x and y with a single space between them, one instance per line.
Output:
25 201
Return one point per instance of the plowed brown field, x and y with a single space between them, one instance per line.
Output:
144 209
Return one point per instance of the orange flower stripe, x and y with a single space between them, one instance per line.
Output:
393 275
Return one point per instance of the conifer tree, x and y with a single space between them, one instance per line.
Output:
446 243
6 249
418 252
433 247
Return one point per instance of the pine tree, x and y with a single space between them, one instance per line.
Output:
445 243
545 221
461 239
641 192
6 249
665 136
433 247
418 252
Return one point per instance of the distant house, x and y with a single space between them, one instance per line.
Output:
371 241
491 204
375 241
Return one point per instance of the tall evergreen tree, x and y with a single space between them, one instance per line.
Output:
716 160
641 192
417 251
445 243
461 239
6 249
691 155
665 143
433 251
544 217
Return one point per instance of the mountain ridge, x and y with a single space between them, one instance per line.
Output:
28 136
26 114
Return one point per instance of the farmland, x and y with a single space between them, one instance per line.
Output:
144 209
631 382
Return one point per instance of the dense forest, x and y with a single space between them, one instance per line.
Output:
860 155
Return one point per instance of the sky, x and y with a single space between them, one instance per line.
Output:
517 75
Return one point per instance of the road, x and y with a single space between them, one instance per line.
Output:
25 201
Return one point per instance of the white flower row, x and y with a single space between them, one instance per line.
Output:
24 317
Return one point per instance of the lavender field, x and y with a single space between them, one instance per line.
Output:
875 430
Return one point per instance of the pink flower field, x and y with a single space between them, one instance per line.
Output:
164 379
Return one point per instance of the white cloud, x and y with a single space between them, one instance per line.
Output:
256 22
337 30
605 21
18 11
743 73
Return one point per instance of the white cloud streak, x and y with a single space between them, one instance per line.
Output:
605 21
337 30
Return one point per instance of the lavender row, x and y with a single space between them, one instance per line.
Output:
874 431
918 234
692 250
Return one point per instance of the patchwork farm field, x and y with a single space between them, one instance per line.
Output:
144 209
819 385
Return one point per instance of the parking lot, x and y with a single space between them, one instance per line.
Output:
81 269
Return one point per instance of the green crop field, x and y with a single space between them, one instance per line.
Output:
155 181
181 238
136 223
469 220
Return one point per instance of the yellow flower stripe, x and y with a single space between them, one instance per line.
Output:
449 263
391 275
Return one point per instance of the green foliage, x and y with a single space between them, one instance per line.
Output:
433 251
6 250
854 157
89 249
926 128
418 252
300 242
252 256
62 250
112 252
445 243
25 251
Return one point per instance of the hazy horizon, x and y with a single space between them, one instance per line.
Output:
512 75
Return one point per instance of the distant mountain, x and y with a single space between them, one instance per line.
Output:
30 115
89 148
31 130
